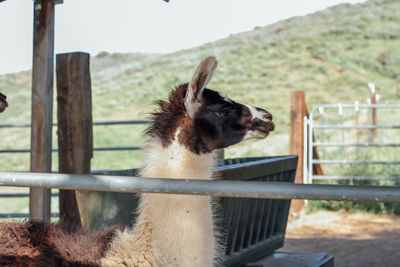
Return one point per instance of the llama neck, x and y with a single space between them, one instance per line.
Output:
176 162
171 230
181 225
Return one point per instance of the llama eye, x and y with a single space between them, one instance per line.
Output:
221 114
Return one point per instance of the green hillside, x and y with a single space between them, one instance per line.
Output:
331 54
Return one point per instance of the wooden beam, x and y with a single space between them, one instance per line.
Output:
42 104
298 111
75 138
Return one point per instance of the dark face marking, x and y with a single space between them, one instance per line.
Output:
3 102
207 120
219 122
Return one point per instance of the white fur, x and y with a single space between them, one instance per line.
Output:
171 230
255 113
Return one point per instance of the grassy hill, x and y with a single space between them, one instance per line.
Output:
331 54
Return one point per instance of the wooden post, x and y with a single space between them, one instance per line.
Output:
298 111
42 104
75 138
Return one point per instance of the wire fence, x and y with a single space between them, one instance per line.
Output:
55 195
99 123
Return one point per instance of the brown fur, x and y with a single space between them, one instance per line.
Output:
204 133
170 114
39 244
3 102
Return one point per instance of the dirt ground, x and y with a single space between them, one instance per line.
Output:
354 239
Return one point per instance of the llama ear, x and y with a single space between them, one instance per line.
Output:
200 79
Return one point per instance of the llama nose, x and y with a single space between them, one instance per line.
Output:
268 116
265 114
265 120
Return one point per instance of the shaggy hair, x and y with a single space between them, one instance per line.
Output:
36 243
3 102
170 113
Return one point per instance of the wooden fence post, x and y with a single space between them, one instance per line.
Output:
42 105
75 138
298 111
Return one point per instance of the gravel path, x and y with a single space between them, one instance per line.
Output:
354 239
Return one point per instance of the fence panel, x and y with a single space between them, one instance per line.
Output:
22 150
345 125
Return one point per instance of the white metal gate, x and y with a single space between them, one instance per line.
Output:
310 125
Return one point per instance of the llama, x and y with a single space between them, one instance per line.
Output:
3 102
178 230
170 230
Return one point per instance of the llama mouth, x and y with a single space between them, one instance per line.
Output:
270 126
260 130
260 134
263 127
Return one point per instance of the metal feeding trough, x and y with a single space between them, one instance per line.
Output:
254 227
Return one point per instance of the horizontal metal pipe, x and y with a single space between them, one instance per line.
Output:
121 122
333 126
22 195
360 106
352 106
358 178
334 161
22 215
120 148
242 189
12 125
15 151
356 145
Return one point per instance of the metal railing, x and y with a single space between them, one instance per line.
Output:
28 125
20 214
254 211
310 125
120 148
237 189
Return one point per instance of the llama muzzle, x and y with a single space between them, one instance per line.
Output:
261 124
261 129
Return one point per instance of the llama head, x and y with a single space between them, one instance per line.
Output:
203 120
3 102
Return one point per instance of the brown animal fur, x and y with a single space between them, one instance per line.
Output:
36 243
169 116
3 102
